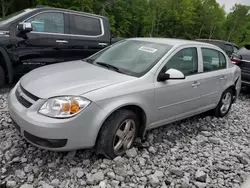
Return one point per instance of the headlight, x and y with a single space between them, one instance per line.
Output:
64 107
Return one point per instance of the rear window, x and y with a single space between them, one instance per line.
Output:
83 25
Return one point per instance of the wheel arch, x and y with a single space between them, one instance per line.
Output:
137 109
5 62
233 87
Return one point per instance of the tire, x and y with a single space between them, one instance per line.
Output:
109 142
2 76
227 97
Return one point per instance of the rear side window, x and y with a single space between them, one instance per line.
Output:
223 61
228 49
83 25
47 22
213 60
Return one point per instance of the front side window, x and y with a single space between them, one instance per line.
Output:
185 60
212 60
48 22
131 57
83 25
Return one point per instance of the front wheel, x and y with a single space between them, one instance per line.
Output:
2 76
225 103
117 134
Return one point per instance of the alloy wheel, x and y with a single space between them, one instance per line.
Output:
124 136
226 102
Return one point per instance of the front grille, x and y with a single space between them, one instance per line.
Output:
33 97
24 97
22 100
49 143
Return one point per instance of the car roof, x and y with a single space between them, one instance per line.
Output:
171 41
218 41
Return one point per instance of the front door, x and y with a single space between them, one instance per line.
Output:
179 98
46 44
88 35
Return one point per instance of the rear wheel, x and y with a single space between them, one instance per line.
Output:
2 76
225 103
117 134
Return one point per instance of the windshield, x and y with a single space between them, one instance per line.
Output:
131 56
14 16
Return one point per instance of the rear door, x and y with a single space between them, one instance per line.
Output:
88 35
213 78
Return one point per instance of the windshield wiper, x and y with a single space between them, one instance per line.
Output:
86 60
109 66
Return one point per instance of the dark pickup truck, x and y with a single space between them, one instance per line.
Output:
41 36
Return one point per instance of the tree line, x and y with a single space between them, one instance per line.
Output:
187 19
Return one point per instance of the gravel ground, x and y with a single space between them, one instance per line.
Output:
198 152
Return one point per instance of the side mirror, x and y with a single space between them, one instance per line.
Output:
25 27
171 74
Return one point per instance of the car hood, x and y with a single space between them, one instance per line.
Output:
70 78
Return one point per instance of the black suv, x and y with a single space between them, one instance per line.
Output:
227 47
41 36
242 59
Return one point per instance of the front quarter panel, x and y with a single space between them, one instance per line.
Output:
139 92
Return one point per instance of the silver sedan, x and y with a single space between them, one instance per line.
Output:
114 96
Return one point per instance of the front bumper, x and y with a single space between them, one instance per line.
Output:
77 132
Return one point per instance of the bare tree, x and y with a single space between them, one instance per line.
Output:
5 6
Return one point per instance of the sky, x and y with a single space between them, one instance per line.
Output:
230 3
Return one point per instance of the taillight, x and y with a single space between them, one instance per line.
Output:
235 59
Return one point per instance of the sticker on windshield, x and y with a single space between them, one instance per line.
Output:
147 49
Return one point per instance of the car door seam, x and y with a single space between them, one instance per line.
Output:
188 100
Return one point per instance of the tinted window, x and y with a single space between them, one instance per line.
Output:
185 61
219 44
48 22
216 43
82 25
228 49
212 60
131 56
236 49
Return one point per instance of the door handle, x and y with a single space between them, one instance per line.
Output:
195 84
62 41
102 44
223 78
